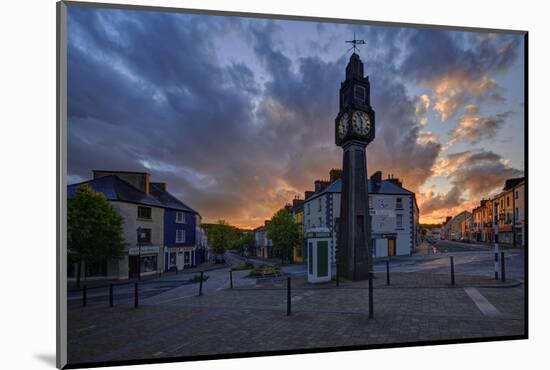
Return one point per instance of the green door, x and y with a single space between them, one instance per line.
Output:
322 258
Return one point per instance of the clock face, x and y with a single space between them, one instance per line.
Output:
343 126
361 122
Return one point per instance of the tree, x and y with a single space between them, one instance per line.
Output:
246 242
221 236
284 232
94 228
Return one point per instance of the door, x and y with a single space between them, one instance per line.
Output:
322 258
391 247
179 260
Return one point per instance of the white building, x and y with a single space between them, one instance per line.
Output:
393 210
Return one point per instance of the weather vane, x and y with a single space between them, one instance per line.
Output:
355 42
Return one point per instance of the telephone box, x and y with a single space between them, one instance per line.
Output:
318 255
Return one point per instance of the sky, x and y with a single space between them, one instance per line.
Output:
237 114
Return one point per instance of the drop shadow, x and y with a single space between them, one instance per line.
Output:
47 358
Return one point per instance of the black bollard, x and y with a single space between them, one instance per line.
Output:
200 284
502 267
387 272
231 279
84 295
371 299
110 295
136 295
288 309
452 270
496 266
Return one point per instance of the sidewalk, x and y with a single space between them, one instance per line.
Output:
415 307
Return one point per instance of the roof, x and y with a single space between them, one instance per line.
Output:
385 187
116 189
167 199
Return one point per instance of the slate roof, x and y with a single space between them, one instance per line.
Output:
385 187
167 199
116 189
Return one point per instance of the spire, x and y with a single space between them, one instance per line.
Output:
354 68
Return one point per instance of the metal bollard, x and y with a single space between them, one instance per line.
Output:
231 279
84 295
387 272
496 266
111 295
371 298
452 270
502 267
136 295
200 284
288 308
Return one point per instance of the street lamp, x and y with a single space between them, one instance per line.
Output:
139 251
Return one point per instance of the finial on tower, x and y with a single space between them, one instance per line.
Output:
355 42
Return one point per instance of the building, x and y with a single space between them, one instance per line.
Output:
129 194
453 230
183 246
170 233
510 206
393 209
466 228
264 246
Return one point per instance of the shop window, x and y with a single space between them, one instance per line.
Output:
149 264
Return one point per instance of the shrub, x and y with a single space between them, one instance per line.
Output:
246 266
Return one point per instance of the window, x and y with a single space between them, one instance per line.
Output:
399 221
320 222
517 213
180 236
144 213
507 201
399 203
517 194
370 202
320 204
144 236
360 94
180 217
308 224
308 208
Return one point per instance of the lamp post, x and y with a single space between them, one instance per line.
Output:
139 251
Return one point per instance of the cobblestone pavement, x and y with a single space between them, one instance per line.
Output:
252 317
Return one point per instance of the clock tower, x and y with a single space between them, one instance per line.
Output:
354 126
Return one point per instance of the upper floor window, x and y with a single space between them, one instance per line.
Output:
507 201
399 221
180 236
517 213
370 202
320 204
180 217
516 194
320 222
308 208
399 203
144 236
144 213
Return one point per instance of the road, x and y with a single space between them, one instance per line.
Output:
469 259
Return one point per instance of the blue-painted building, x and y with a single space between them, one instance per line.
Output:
183 247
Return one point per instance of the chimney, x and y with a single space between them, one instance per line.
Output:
320 185
162 185
139 180
376 178
308 194
296 202
335 174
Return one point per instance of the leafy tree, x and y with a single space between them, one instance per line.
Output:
94 228
284 232
246 242
221 236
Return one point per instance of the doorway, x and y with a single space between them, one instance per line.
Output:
391 247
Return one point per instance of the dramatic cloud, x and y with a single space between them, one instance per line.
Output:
474 128
238 118
473 175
